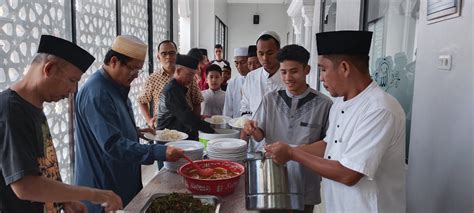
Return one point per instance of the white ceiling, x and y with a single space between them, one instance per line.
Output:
257 1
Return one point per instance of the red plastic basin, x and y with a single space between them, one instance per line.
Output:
212 186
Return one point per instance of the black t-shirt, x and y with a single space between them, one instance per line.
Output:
25 149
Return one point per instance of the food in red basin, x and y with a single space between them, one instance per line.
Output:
223 182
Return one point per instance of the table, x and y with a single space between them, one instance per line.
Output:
166 182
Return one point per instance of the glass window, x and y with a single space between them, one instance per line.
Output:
221 36
393 51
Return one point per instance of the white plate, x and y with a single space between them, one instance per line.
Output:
234 122
187 145
158 136
212 119
226 145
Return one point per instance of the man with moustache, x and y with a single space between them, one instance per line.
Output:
173 113
167 52
362 157
29 172
108 152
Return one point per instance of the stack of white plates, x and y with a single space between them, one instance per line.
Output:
192 149
227 149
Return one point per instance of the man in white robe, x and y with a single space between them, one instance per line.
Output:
362 157
233 94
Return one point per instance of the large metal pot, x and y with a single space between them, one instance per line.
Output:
267 186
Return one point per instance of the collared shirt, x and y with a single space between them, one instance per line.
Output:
173 113
256 85
233 97
296 120
108 154
157 81
367 134
213 102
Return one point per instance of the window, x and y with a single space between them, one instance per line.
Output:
221 36
393 51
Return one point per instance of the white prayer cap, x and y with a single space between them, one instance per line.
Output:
130 46
240 51
270 33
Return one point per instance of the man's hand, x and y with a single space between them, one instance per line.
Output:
108 199
141 132
281 152
151 123
74 207
249 127
173 154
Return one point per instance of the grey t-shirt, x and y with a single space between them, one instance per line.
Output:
296 120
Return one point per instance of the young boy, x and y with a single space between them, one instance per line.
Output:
226 75
297 115
214 97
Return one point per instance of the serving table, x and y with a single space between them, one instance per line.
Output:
167 182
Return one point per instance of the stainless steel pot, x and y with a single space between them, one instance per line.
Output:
267 186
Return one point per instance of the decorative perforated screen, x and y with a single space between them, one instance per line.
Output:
23 22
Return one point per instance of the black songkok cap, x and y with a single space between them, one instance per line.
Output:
66 50
344 42
187 61
203 51
252 52
196 53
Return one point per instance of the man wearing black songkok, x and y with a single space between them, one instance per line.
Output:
29 171
362 157
252 61
173 112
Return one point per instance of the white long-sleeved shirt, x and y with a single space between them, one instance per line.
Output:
256 85
213 102
233 97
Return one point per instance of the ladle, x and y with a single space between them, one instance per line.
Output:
202 172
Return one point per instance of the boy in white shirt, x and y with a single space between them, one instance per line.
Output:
214 97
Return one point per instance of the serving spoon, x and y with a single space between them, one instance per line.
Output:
202 172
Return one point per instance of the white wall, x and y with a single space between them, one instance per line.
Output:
440 174
348 15
242 31
206 25
220 10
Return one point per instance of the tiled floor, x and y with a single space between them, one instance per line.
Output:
149 171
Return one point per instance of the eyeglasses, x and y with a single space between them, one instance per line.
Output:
169 53
133 70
